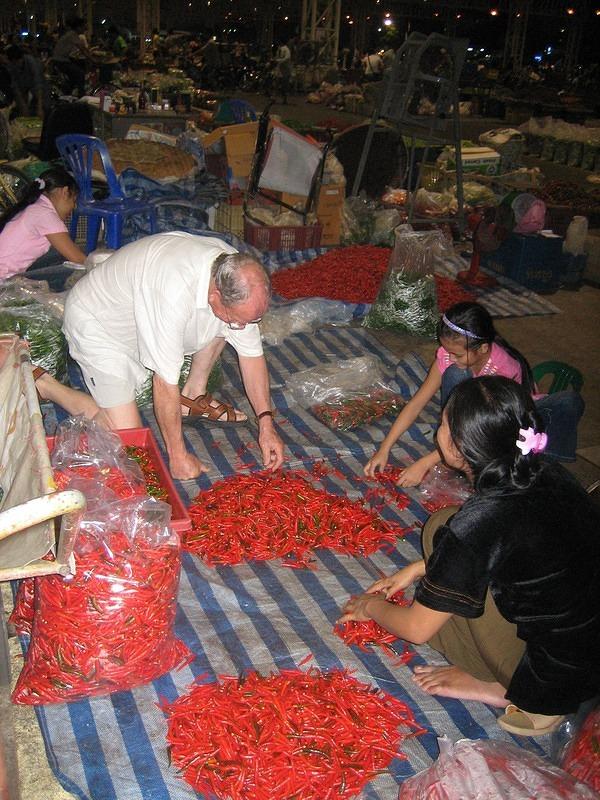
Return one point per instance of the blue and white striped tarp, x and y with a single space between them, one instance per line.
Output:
264 616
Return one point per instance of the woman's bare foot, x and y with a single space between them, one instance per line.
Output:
454 682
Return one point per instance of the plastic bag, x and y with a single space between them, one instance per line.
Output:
434 204
364 222
530 213
83 449
334 382
20 313
39 292
407 301
109 627
303 316
443 487
581 757
472 770
352 412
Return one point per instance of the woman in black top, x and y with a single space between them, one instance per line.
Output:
509 589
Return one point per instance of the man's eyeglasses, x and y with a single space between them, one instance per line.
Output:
239 326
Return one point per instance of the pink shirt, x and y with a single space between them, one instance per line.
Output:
499 363
24 238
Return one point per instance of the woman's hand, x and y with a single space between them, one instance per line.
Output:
413 475
356 609
376 462
402 579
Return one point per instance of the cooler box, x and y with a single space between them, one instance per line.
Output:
482 160
534 261
143 437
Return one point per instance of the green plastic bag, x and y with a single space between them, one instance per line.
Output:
407 299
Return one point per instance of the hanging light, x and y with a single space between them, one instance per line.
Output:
494 12
570 11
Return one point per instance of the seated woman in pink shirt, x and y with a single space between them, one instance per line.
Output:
471 348
33 234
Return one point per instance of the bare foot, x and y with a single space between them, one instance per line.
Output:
449 681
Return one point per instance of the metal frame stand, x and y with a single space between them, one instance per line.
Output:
424 64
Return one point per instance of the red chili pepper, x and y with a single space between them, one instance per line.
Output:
303 735
353 274
582 757
366 635
264 516
355 411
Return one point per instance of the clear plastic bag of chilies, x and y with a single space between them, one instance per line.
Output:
346 394
407 300
84 450
303 316
472 770
581 756
110 626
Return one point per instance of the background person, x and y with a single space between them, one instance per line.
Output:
71 52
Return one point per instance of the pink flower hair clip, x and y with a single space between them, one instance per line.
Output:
532 442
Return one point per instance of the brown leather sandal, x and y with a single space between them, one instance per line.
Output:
202 410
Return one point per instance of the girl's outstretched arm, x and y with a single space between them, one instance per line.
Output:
415 623
405 419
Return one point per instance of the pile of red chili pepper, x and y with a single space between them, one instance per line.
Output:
361 410
582 757
307 736
387 491
266 516
366 635
352 274
109 627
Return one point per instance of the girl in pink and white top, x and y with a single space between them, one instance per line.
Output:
33 233
471 348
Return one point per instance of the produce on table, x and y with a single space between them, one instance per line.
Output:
307 736
265 516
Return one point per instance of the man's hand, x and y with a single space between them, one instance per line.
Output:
186 467
270 444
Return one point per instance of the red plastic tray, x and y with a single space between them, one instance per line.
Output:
143 437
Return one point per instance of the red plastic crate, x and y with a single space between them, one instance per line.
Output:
274 237
143 437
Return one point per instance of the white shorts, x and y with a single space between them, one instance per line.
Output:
111 375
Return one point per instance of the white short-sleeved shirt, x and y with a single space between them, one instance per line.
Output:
146 307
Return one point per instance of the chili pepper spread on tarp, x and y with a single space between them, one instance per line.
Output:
302 735
264 516
352 274
110 626
355 411
366 635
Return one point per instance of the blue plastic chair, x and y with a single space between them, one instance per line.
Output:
235 112
77 151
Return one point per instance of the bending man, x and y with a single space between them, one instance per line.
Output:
151 303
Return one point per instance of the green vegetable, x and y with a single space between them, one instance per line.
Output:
35 323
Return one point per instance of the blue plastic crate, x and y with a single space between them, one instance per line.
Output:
533 261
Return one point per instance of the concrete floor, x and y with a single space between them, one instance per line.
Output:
572 336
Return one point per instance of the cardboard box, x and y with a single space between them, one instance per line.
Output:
482 160
331 223
331 197
240 144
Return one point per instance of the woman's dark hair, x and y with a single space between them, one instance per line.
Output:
54 178
477 320
484 416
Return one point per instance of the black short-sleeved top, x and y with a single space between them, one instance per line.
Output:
538 551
